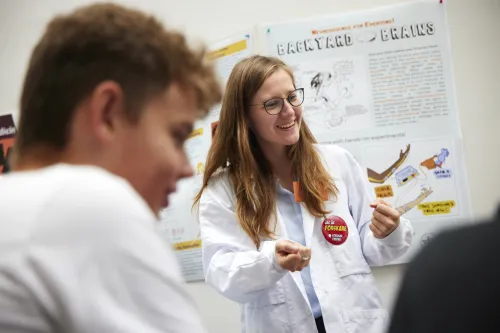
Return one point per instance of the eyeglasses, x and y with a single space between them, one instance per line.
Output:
275 105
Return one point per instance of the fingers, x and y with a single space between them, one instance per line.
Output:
305 256
286 246
294 262
378 202
292 256
304 264
377 233
305 253
383 225
387 210
385 218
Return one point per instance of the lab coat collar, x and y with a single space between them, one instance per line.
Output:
308 221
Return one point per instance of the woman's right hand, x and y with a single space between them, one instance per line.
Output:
292 256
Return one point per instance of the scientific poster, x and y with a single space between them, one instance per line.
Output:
379 83
7 138
178 221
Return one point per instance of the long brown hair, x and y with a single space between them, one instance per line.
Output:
235 148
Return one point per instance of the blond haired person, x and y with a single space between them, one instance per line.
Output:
289 227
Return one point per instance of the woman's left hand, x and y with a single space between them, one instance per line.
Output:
385 219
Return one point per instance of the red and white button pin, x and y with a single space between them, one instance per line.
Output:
335 230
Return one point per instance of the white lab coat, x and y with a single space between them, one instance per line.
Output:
274 300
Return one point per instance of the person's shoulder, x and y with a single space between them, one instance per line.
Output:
220 175
96 187
338 160
453 272
92 201
459 252
473 239
335 153
219 188
220 180
331 150
478 237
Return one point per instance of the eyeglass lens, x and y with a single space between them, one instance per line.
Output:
275 105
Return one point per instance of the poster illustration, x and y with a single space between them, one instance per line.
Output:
379 83
178 222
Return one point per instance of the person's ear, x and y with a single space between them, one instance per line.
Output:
107 110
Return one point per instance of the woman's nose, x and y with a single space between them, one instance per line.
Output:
287 109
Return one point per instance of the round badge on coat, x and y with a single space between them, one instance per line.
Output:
335 230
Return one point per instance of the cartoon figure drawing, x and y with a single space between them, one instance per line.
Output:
317 84
436 161
330 88
442 157
322 83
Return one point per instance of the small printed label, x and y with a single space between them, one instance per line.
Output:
436 208
194 244
195 133
228 50
384 191
442 173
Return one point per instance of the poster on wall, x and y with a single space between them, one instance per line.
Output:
178 221
379 83
7 138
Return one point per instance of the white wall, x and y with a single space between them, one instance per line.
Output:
474 27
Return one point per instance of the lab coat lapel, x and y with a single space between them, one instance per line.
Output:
281 233
308 221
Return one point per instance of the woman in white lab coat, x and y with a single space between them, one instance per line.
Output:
289 227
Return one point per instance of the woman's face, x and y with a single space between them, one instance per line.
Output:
280 129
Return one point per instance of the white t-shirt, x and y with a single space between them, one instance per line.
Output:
79 252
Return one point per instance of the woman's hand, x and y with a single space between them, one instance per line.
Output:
385 219
292 256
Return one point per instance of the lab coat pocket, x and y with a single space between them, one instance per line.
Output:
365 321
272 296
347 263
268 312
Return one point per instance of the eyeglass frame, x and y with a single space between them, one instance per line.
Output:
282 105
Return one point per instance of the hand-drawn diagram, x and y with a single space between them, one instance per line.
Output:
436 160
399 182
382 177
424 193
336 95
405 175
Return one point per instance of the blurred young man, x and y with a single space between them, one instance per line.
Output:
453 284
108 100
